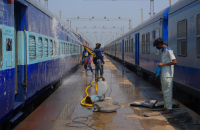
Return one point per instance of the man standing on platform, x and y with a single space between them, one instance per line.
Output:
168 60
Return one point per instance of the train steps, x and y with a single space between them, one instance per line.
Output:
17 115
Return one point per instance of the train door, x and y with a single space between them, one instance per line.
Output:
20 53
123 49
137 48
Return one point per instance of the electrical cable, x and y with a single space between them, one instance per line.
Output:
75 123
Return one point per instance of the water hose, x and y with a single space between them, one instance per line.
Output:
93 82
84 104
89 51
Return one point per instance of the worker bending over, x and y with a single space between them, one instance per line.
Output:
87 60
98 55
168 60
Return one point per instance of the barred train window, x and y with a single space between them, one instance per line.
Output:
182 38
143 44
126 46
32 48
61 48
40 47
46 47
51 48
71 51
59 45
147 43
65 49
130 46
74 48
198 36
55 48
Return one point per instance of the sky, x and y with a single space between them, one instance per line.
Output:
99 9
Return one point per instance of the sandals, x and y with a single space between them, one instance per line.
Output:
167 112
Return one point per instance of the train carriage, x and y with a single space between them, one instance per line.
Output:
37 49
179 26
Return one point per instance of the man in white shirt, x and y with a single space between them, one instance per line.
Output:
168 60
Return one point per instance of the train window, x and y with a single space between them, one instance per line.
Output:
61 48
127 47
157 34
154 34
71 51
143 44
58 44
46 47
55 48
198 36
8 44
40 47
132 45
74 48
182 38
148 43
32 48
51 48
65 48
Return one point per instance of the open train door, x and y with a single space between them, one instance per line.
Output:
20 15
137 49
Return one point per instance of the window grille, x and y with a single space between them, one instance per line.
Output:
40 47
59 46
46 47
198 36
148 43
55 48
51 47
32 48
143 44
130 45
71 51
182 38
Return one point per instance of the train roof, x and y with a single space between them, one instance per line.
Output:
162 14
39 6
180 4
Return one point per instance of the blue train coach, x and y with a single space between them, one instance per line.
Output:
179 26
36 50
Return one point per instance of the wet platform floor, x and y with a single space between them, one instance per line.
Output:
124 87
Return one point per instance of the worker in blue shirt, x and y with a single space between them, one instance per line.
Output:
98 55
87 60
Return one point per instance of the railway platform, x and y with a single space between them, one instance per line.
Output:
63 106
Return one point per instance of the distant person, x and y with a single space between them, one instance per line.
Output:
98 55
168 60
86 57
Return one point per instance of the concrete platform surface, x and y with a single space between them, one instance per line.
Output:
125 87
